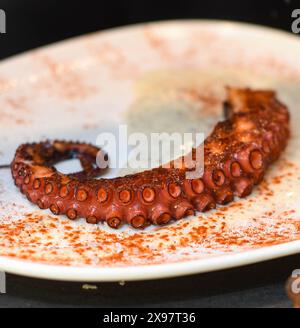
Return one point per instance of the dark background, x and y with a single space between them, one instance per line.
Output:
32 23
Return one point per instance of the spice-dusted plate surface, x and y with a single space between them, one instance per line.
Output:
158 77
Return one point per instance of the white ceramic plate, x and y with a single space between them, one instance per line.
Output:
166 76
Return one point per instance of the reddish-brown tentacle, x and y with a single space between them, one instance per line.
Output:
236 156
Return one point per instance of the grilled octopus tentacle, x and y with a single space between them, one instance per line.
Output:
236 156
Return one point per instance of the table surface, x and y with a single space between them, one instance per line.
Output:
258 285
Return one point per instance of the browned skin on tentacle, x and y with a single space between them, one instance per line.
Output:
236 156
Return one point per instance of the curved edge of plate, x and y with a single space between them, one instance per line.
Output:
146 272
228 25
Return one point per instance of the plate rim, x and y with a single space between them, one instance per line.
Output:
147 272
205 21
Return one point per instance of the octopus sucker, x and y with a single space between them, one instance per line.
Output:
114 222
102 195
148 194
138 221
81 194
204 202
64 190
92 219
71 213
181 208
197 186
163 218
160 214
125 196
237 154
54 209
48 188
224 195
242 187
